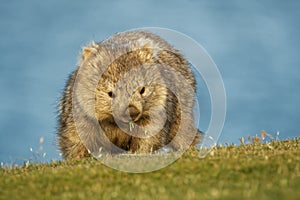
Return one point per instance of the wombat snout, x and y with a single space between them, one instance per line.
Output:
134 113
131 113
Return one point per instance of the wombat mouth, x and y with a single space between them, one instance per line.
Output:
129 124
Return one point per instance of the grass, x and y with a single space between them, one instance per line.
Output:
269 170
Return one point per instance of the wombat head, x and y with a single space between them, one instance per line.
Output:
132 90
138 79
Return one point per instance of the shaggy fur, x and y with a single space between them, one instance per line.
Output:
132 92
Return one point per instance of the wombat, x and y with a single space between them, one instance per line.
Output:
132 92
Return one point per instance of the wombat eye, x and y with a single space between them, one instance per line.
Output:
111 94
142 91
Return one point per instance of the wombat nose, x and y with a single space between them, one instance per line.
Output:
134 112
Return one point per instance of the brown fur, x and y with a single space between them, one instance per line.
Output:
122 83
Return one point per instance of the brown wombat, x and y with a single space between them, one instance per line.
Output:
132 92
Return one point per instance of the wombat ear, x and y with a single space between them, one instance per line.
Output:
146 43
86 51
149 44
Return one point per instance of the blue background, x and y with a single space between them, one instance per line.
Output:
255 44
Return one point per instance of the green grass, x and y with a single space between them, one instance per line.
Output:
256 171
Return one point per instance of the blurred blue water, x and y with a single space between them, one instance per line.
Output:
255 45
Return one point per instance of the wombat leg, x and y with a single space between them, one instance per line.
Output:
190 138
145 145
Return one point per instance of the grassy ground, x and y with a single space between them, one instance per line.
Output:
256 171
